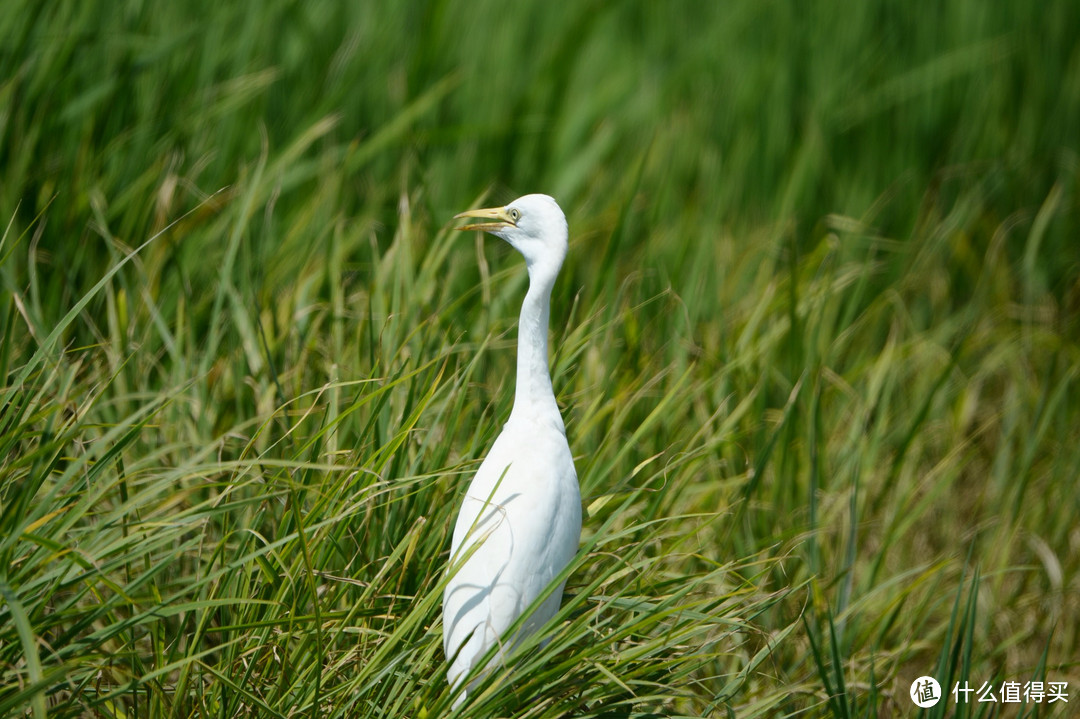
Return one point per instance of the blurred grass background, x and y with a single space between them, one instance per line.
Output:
816 344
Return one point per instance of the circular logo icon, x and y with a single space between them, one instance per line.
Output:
925 692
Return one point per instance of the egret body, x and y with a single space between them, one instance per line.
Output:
523 507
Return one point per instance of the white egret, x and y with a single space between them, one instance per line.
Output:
523 507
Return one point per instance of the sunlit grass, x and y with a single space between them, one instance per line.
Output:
815 343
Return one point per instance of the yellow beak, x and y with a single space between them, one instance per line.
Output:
499 216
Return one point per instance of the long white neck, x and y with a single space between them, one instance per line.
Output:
534 398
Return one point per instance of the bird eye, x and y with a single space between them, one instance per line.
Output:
515 215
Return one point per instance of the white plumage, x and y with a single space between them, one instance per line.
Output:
524 505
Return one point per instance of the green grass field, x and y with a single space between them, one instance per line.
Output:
817 344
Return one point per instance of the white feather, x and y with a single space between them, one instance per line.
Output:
523 507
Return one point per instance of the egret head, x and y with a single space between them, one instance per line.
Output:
534 225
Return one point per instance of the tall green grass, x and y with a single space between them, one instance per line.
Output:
816 345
